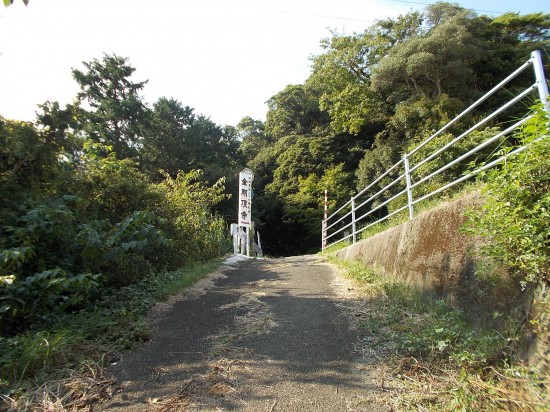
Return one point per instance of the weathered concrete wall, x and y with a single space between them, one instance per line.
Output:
435 254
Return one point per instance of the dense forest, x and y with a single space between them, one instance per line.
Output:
107 189
368 98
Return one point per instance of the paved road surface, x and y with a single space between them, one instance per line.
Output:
268 335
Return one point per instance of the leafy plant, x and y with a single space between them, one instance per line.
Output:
93 335
515 214
436 356
42 297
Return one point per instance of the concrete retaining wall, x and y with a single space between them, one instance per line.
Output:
433 253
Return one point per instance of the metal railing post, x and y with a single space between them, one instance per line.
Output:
325 218
541 80
324 235
353 228
409 185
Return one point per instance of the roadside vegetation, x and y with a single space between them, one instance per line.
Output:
435 359
60 366
440 358
106 200
93 232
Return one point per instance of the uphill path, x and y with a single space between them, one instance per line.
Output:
258 335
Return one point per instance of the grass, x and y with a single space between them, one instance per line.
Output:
61 367
436 359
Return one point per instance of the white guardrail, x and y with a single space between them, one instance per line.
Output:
365 208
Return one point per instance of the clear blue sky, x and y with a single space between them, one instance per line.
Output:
224 58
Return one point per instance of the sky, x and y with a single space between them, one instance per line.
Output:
224 58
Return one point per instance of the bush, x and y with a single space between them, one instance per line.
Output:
516 211
111 225
41 297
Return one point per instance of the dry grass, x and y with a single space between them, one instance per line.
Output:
254 318
426 383
74 391
221 381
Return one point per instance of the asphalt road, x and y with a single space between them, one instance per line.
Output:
267 335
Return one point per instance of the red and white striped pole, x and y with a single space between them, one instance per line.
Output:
325 221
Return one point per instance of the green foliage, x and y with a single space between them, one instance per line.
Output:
253 138
28 355
294 111
73 222
117 116
112 324
446 334
515 214
112 188
302 167
10 2
197 234
343 73
306 206
419 326
391 86
179 140
430 65
453 152
28 162
42 297
44 234
435 355
121 251
385 153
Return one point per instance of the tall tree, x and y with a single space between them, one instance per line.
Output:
252 136
439 62
165 146
116 114
295 110
343 72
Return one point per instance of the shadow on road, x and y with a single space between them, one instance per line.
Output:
270 336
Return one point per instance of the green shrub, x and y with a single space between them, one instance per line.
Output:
516 212
70 221
40 297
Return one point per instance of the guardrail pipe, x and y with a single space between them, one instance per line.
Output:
409 189
541 80
339 221
353 227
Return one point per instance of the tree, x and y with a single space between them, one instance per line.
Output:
305 207
440 11
252 136
291 177
118 115
440 62
509 40
342 74
295 110
28 164
165 146
10 2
